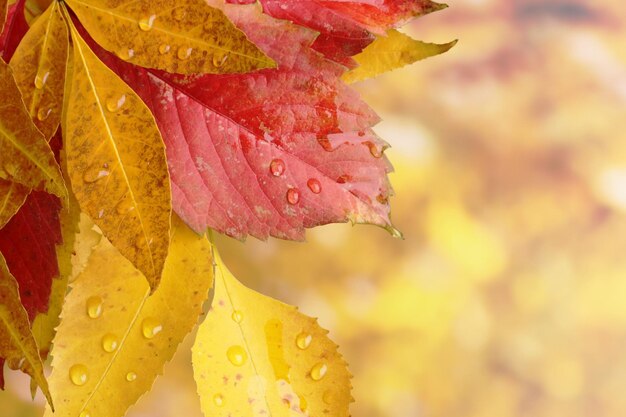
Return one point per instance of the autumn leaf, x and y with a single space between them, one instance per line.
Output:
17 344
246 160
26 156
181 36
116 162
40 61
12 196
3 13
392 51
257 356
14 29
115 337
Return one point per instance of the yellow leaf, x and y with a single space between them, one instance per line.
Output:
180 36
17 344
39 66
25 156
256 356
116 162
12 197
115 338
391 52
3 13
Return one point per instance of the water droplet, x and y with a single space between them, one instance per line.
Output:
218 400
124 206
184 53
303 340
126 54
277 167
43 113
220 60
109 342
94 173
327 397
344 179
318 371
293 196
116 103
41 78
94 307
237 355
84 413
237 316
179 14
79 374
150 327
146 23
164 48
314 185
131 376
374 150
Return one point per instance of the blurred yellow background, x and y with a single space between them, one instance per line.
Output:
508 296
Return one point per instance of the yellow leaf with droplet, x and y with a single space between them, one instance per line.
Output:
17 344
179 36
39 67
25 156
115 338
256 356
116 162
393 51
12 197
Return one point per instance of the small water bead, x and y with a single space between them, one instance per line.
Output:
41 78
277 167
150 327
314 185
126 54
109 342
164 48
131 376
146 23
237 316
116 103
218 400
184 53
293 196
79 374
94 173
318 371
220 60
94 307
43 113
237 355
179 14
124 206
303 340
84 413
344 179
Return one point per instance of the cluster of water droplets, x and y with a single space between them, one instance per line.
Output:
278 168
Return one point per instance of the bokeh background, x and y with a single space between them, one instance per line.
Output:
508 296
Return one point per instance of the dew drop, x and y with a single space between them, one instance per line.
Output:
84 413
150 327
94 173
344 179
218 400
79 374
116 103
94 307
293 196
43 113
314 185
318 371
164 48
237 316
277 167
41 78
184 53
179 14
126 54
220 60
146 23
237 355
124 206
131 376
109 342
303 340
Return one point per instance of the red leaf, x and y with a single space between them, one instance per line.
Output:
222 133
14 30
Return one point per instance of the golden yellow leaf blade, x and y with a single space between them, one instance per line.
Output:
393 51
114 338
17 344
257 356
116 162
179 36
12 197
39 66
25 156
3 13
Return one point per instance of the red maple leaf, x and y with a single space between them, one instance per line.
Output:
14 30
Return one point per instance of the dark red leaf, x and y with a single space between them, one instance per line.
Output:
14 30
